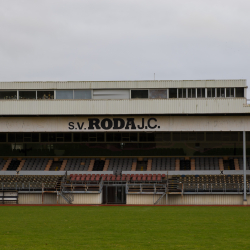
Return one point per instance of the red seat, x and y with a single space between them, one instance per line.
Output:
78 178
134 178
118 178
97 177
128 177
139 178
113 177
149 177
109 177
88 177
123 177
163 175
83 177
158 177
144 177
92 177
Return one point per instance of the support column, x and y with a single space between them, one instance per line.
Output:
244 169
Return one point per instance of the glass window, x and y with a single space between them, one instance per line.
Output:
19 137
52 137
2 137
67 137
133 137
172 93
239 92
109 137
230 92
45 94
125 136
82 94
76 137
220 92
44 137
27 95
64 94
59 137
181 93
158 94
139 93
112 94
142 137
191 93
210 92
117 137
200 92
8 94
35 137
11 137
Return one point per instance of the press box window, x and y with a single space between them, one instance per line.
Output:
3 137
210 93
82 94
158 94
239 92
139 94
25 95
220 92
112 94
191 93
182 93
172 93
45 95
8 94
64 94
230 92
200 93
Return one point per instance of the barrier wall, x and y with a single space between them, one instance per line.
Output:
29 198
196 199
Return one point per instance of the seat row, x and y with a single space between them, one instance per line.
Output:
118 165
111 177
217 179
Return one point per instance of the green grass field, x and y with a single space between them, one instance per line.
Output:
124 227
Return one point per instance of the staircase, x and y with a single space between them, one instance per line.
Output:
58 184
173 185
68 197
160 198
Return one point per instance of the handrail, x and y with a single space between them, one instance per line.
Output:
214 187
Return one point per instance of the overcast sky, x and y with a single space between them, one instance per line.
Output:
61 40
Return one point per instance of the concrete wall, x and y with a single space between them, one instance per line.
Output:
52 199
214 199
157 123
123 107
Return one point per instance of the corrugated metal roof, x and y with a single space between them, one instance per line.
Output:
123 84
123 107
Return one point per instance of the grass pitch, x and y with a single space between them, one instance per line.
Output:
124 227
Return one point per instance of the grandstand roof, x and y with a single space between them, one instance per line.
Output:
123 84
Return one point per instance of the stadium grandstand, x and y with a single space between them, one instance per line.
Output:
125 142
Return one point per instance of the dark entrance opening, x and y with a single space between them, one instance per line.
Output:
114 194
141 166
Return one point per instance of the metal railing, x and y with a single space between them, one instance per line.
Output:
214 187
28 186
140 188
